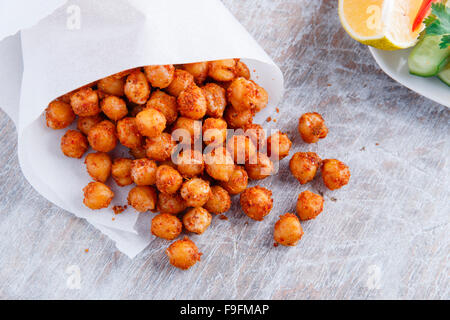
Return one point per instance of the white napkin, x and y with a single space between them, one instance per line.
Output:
53 57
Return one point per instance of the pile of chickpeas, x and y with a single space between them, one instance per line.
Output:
155 110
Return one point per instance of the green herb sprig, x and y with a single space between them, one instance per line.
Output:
438 23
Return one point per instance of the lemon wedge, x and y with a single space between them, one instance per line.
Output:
383 24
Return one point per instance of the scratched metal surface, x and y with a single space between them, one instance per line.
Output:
385 235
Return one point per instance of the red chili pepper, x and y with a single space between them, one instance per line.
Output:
423 12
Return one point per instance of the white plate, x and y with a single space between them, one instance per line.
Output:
395 64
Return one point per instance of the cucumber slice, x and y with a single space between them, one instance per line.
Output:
444 75
427 59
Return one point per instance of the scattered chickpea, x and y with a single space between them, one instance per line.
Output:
121 171
59 115
304 166
183 254
214 131
195 192
335 174
243 94
171 203
97 195
143 172
168 179
219 201
142 198
137 88
160 76
85 124
98 166
197 220
128 133
256 202
165 104
181 80
216 99
219 164
160 148
84 102
309 205
222 70
115 108
278 146
190 163
238 181
259 167
102 137
166 226
288 230
150 122
192 103
74 144
111 85
311 127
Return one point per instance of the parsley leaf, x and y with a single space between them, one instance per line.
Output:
438 23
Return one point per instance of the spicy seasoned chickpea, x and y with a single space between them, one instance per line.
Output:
219 164
192 103
190 163
160 148
256 202
97 195
102 137
128 133
74 144
195 192
238 181
288 230
241 148
242 70
197 220
198 69
160 76
183 254
138 153
242 94
335 174
187 128
168 179
137 88
142 198
259 167
181 80
261 100
166 226
222 70
237 119
84 102
121 171
311 127
170 203
59 115
216 99
278 146
98 166
256 133
309 205
111 85
114 108
165 104
150 122
143 172
214 131
219 201
304 165
85 124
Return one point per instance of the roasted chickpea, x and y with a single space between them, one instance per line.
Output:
114 107
197 220
138 153
262 99
150 122
74 144
309 205
128 133
165 104
192 103
219 201
256 202
237 119
190 163
195 192
198 69
121 74
335 174
181 80
214 131
137 88
242 94
102 137
121 171
311 127
98 166
304 166
111 85
160 148
288 230
238 181
85 124
257 134
97 195
142 198
259 167
171 203
160 76
219 164
216 99
222 70
168 179
84 102
241 148
65 97
166 226
59 115
183 254
143 172
242 70
278 146
184 127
